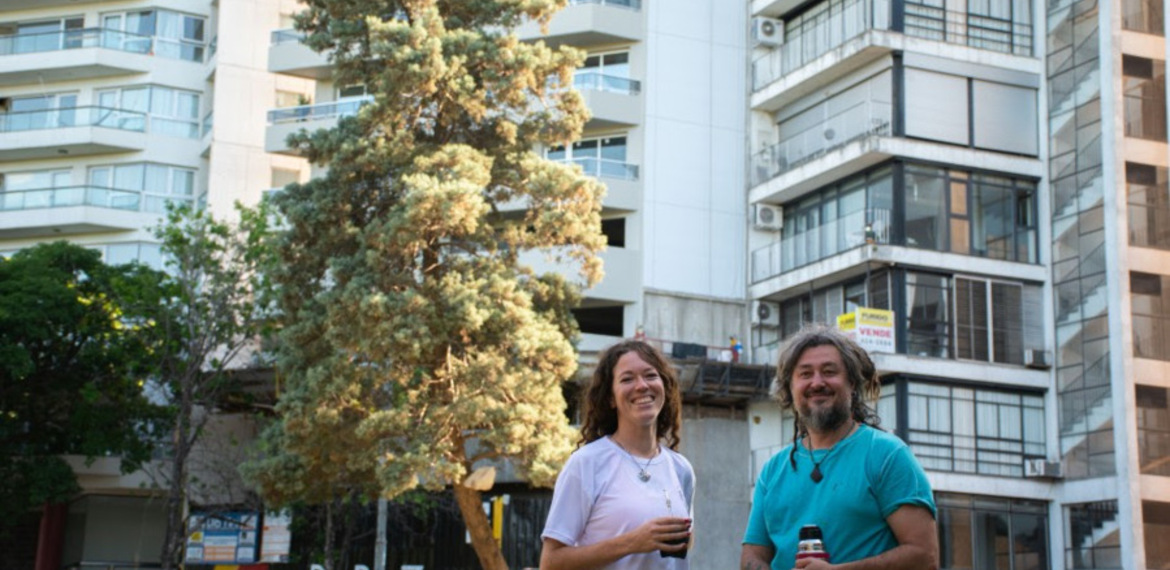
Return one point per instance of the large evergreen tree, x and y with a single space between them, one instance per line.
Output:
74 356
418 341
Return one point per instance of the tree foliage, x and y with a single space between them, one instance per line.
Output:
74 355
418 340
211 313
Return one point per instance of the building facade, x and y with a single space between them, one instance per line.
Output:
993 173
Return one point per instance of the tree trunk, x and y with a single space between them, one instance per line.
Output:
486 548
175 537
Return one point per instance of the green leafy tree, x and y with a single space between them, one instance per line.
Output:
418 341
74 355
211 314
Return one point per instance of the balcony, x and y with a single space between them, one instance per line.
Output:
72 131
288 120
863 120
623 268
830 40
287 55
606 168
585 23
71 210
74 54
825 241
612 101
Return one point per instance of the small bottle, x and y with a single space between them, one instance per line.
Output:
811 544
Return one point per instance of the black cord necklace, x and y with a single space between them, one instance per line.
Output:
816 474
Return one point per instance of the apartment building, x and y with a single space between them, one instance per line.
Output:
993 172
108 111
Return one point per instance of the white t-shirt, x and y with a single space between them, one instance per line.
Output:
599 496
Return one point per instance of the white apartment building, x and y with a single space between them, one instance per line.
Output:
994 173
109 110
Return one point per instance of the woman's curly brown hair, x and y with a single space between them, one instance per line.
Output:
601 416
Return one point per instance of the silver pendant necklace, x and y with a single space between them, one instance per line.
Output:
643 474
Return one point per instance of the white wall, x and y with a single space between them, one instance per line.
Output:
695 93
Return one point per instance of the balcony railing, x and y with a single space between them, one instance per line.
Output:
865 119
304 113
286 35
605 168
76 39
823 241
104 38
67 117
834 22
69 196
208 121
594 81
631 4
838 23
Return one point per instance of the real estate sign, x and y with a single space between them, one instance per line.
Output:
873 329
222 538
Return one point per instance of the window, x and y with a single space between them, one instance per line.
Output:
928 304
351 92
33 37
600 320
614 230
1091 536
606 72
1148 205
172 112
171 34
52 111
1150 307
600 157
1156 527
149 184
971 213
988 321
967 430
1143 16
1153 423
1145 97
38 189
826 304
835 219
991 532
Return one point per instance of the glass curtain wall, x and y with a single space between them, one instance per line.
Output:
1078 234
991 532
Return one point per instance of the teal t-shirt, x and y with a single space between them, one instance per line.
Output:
867 476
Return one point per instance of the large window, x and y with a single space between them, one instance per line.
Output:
1150 298
152 185
173 112
835 219
1148 205
49 111
970 213
606 321
45 35
1153 423
991 532
606 72
1143 16
175 35
1156 527
36 189
601 157
826 304
1145 97
968 430
1091 536
970 318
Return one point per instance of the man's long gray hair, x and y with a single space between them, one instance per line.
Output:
859 369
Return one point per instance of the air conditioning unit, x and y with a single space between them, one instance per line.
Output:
1037 358
767 32
765 314
1042 468
767 217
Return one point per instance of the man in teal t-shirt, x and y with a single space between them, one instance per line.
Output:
860 485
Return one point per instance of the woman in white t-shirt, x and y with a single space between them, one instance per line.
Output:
624 499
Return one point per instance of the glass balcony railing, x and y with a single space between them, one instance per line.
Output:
208 121
304 113
829 24
631 4
823 241
868 118
594 81
68 196
104 38
605 168
286 35
67 117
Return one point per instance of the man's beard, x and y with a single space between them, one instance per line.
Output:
825 419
